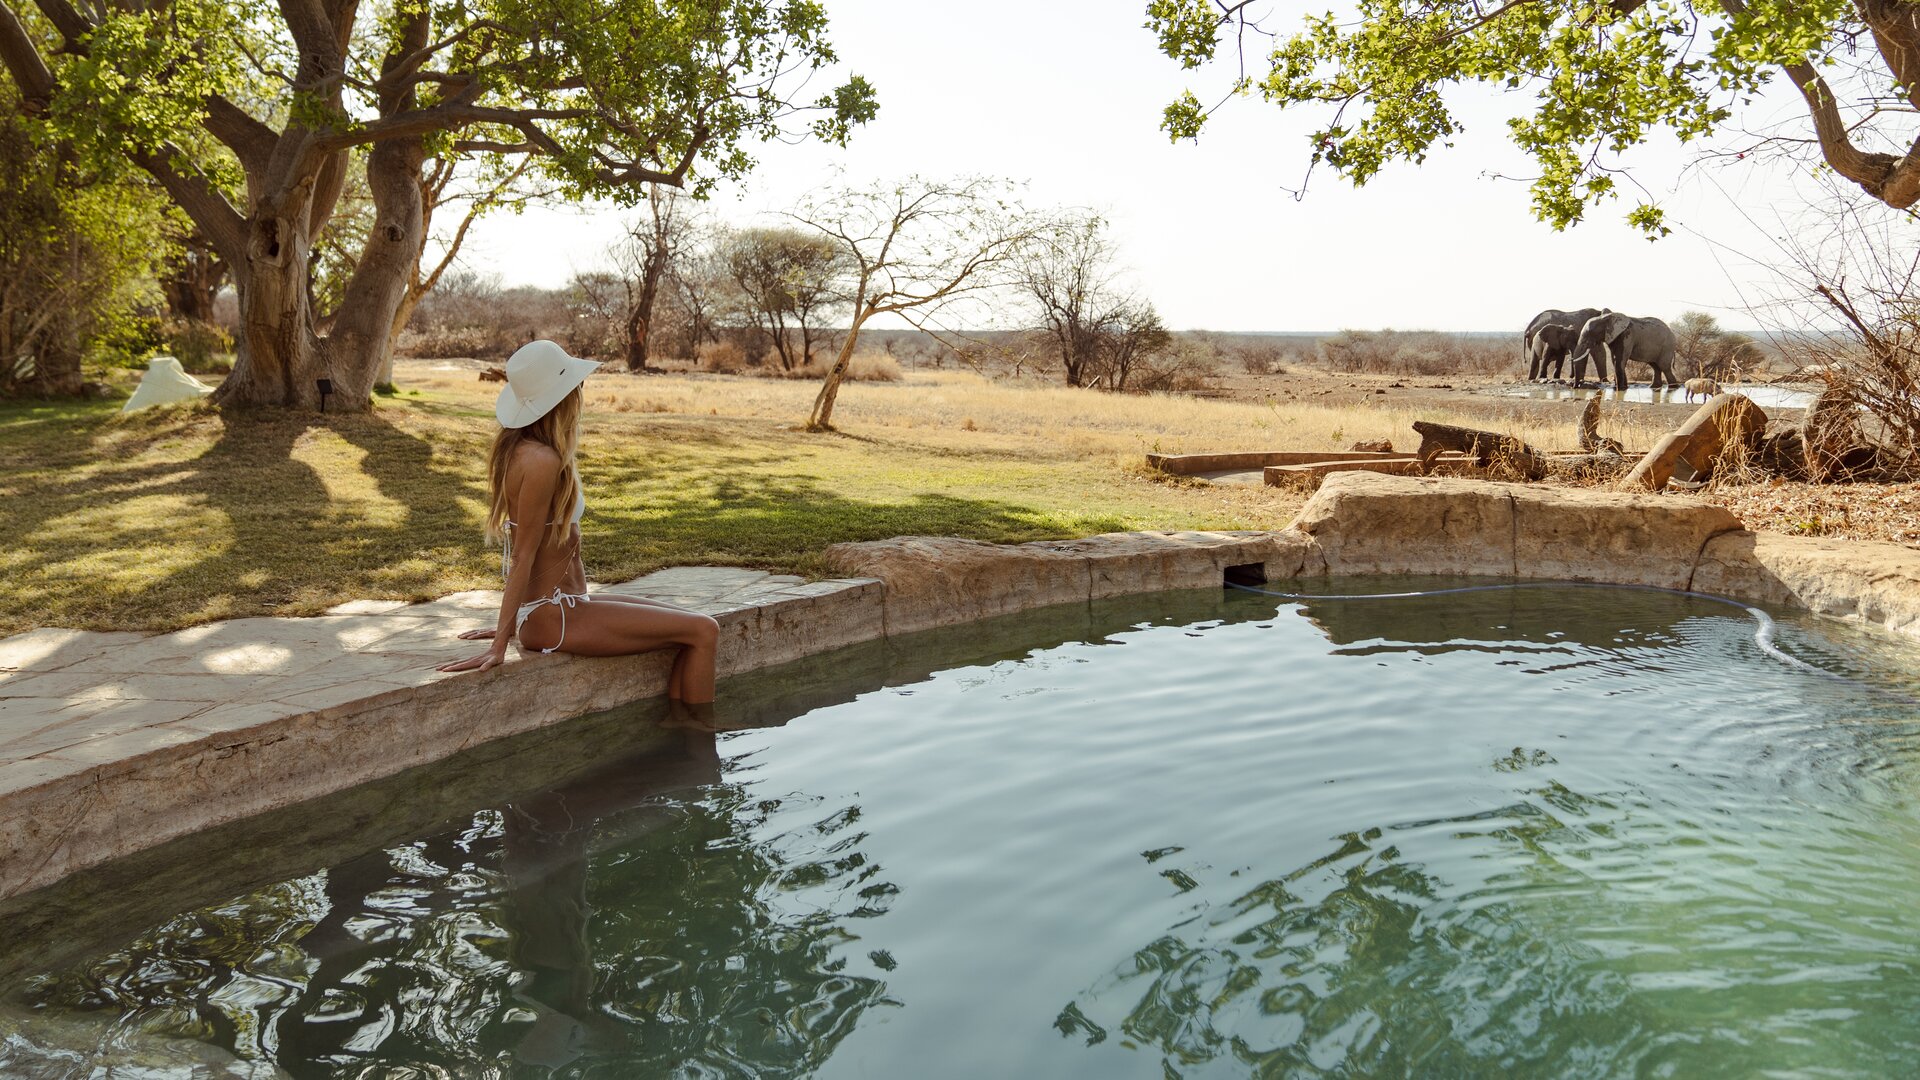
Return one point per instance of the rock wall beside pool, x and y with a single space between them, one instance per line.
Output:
1362 523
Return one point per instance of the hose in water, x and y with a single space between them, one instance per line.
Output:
1762 634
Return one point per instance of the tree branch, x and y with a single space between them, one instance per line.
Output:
72 26
250 140
22 58
224 227
403 67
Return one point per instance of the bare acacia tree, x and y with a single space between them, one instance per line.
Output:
1069 278
645 258
698 281
911 249
1852 322
1097 330
1130 336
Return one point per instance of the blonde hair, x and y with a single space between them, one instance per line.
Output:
559 429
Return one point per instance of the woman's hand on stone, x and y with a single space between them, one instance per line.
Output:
481 662
476 635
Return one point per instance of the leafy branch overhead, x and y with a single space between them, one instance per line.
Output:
1603 76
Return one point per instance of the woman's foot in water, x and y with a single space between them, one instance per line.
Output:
683 714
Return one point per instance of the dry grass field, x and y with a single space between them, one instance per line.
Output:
181 515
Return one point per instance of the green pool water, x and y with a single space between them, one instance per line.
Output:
1568 833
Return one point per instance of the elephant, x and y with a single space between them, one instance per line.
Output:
1572 320
1622 338
1552 344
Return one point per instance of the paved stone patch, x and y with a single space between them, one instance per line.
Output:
110 742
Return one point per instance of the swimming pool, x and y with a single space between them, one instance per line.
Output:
1535 833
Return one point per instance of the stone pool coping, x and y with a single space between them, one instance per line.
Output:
111 743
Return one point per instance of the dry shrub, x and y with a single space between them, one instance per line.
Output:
1856 329
723 357
1417 352
1186 364
626 403
201 347
446 342
1259 358
874 367
864 367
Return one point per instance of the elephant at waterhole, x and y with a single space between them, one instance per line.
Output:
1552 344
1621 338
1572 320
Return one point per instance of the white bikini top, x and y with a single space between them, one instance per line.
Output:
506 542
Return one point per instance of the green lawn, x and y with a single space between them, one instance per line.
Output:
180 515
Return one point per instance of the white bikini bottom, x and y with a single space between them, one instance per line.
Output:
559 599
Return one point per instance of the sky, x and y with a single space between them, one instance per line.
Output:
1064 96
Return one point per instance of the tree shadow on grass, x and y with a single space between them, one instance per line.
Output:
95 549
752 517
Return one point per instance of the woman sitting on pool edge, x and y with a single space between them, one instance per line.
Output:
534 511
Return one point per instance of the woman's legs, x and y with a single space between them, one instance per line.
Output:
611 627
677 676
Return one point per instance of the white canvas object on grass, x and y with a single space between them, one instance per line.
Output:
165 381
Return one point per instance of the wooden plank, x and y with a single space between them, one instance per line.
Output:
1189 464
1398 465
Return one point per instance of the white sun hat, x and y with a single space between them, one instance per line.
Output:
539 374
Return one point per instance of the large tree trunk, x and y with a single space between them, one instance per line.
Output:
279 352
282 357
361 344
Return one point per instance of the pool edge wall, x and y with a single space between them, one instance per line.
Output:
1356 524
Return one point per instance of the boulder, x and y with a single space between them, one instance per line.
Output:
1627 538
1367 523
1122 564
1373 523
1859 579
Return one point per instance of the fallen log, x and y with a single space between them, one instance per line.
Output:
1725 421
1491 450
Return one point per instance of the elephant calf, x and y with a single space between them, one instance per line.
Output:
1551 344
1706 388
